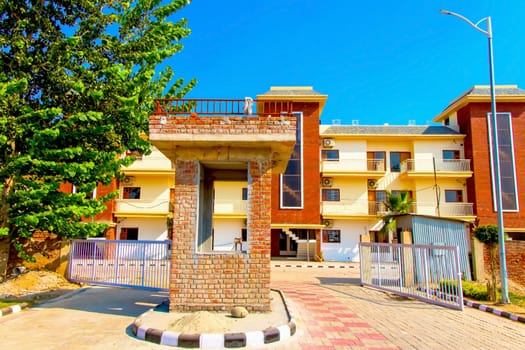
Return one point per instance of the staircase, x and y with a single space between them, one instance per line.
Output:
305 248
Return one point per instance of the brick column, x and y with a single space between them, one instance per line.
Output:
184 228
259 230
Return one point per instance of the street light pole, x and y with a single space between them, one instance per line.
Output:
495 151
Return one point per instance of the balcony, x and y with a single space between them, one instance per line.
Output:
230 208
454 210
421 168
365 209
221 107
368 168
142 207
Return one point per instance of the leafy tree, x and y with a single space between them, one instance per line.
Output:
488 234
77 84
395 204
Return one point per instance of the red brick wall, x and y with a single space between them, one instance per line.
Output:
310 214
218 281
472 120
515 256
219 125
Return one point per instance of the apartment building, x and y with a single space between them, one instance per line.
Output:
142 210
360 164
335 185
470 114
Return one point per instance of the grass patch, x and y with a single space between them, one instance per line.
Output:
478 291
7 303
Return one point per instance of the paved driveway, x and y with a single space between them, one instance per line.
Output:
331 309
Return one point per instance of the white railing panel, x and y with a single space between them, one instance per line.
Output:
134 264
426 272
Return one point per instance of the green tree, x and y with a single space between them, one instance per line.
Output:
395 204
488 234
78 80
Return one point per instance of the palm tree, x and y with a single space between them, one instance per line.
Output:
395 204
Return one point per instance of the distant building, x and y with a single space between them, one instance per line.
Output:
335 185
470 115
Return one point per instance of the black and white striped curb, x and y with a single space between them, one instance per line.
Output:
494 311
217 340
316 266
13 309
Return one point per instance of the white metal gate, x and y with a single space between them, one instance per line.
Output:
426 272
132 264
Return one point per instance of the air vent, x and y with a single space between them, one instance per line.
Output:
328 143
327 182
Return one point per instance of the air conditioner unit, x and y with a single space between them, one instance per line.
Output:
328 143
327 181
328 223
128 180
372 184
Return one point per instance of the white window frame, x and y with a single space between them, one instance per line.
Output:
493 180
281 206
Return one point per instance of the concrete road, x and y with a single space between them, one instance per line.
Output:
331 309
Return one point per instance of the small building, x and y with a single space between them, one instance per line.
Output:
438 231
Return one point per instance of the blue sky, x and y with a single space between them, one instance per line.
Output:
378 61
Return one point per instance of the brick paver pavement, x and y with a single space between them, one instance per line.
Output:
334 312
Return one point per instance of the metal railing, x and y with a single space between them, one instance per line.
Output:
221 107
132 264
354 207
441 165
429 273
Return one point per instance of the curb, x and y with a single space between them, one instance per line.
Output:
13 309
494 311
316 266
217 340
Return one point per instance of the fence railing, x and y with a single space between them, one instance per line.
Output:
426 272
221 107
439 165
134 264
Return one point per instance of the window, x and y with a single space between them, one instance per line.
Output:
331 236
453 196
507 170
330 194
398 193
375 161
330 154
244 194
396 158
244 234
131 193
450 154
292 179
129 233
446 121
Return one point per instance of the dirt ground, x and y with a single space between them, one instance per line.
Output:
35 286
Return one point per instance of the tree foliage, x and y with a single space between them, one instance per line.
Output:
395 204
77 83
486 233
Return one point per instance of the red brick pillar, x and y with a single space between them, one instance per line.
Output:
184 227
259 230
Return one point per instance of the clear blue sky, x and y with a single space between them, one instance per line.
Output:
378 61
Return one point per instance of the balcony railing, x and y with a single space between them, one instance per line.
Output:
348 165
230 206
221 107
142 206
361 207
446 209
442 165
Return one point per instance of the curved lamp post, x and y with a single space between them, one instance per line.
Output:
495 152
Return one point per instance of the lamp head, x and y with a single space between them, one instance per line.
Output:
445 12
